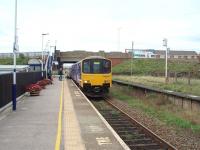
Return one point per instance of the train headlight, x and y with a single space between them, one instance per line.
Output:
86 81
106 81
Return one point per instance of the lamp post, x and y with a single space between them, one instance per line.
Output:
15 50
43 53
165 45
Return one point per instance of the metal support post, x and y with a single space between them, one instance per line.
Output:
132 59
15 49
166 57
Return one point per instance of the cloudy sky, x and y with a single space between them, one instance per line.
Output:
96 24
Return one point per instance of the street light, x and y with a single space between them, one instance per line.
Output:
15 50
43 53
165 45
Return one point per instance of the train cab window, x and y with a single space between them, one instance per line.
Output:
86 66
96 67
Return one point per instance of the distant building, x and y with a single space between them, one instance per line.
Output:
142 53
117 57
26 54
35 64
4 69
175 54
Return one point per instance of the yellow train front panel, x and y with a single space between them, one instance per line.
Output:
96 79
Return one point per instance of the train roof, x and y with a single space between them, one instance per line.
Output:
93 57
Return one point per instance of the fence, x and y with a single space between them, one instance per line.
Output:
22 79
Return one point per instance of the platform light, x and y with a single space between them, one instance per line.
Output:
166 52
43 34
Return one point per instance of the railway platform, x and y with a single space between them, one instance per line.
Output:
33 126
60 118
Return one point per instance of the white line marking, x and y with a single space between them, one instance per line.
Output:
103 140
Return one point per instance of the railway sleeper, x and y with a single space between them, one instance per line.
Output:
126 128
131 136
131 132
111 116
149 146
118 122
116 119
139 141
124 125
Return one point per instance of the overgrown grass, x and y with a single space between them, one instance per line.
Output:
153 66
21 60
159 82
166 113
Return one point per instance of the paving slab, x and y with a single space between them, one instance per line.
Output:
33 126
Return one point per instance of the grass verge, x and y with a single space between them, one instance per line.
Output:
166 113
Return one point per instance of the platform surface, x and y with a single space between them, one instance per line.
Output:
91 131
35 126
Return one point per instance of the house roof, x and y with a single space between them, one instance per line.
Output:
172 52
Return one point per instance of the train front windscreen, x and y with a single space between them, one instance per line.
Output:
96 66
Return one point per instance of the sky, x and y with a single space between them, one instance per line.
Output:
93 25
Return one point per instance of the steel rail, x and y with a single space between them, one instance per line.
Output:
160 141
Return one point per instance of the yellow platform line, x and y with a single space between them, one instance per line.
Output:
59 130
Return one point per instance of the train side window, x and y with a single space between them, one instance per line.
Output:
106 66
86 66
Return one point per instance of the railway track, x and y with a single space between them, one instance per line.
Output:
134 134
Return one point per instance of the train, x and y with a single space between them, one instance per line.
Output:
93 75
